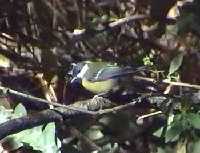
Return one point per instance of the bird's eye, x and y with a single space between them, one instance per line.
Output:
74 69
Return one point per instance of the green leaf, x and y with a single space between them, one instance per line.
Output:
194 120
20 110
5 114
194 147
94 134
39 139
109 148
186 21
158 132
4 61
174 132
176 63
160 150
171 31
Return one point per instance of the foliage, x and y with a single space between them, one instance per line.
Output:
175 63
39 41
41 138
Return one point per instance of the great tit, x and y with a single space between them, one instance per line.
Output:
101 77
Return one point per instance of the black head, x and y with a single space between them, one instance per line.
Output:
76 69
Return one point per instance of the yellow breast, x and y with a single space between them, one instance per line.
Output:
98 87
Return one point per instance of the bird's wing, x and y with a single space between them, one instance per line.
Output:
114 71
96 68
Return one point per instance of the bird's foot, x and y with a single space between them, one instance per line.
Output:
99 102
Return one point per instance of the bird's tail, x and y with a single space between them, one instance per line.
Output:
130 70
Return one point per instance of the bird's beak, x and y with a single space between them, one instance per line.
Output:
71 72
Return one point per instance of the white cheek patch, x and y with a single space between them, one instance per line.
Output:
83 71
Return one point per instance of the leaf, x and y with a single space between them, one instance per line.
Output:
158 132
194 120
4 61
171 31
185 22
20 110
194 147
39 139
94 134
109 148
160 150
5 114
174 132
176 63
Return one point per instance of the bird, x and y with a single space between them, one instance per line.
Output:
99 77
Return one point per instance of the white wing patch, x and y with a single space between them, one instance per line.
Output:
106 72
83 71
98 74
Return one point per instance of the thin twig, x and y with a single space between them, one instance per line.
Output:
113 25
182 84
117 108
149 115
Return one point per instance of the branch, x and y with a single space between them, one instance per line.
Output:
111 26
149 115
52 115
7 91
118 108
182 84
59 113
26 122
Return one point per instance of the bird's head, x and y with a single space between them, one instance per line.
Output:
78 72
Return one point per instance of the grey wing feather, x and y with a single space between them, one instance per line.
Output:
113 72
